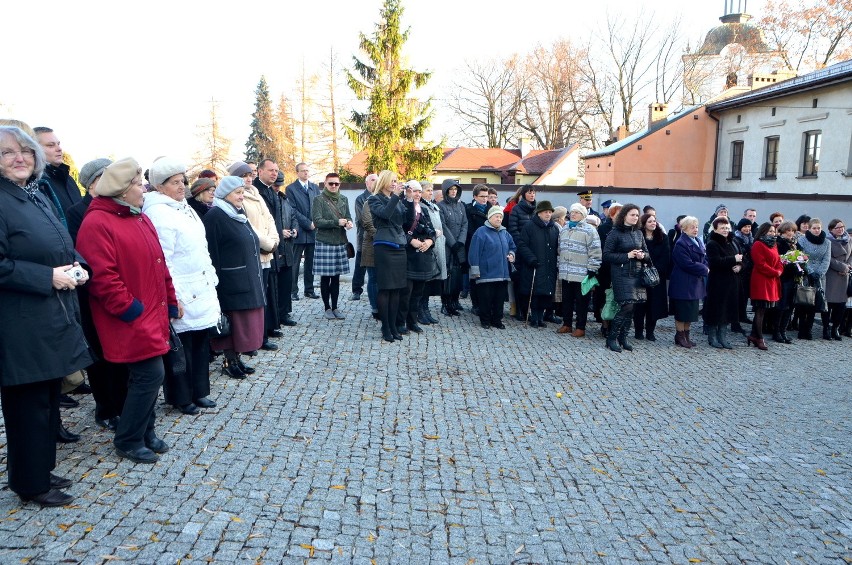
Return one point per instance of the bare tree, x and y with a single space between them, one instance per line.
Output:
487 101
809 33
284 139
215 150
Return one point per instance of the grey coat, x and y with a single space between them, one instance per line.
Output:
440 241
837 277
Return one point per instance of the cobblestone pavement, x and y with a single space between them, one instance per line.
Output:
453 447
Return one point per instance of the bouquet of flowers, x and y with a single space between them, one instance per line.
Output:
795 257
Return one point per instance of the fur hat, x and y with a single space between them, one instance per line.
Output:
163 169
577 207
117 177
543 206
494 210
239 169
92 170
228 185
200 185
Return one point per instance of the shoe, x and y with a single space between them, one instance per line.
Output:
785 338
475 310
578 333
445 311
723 337
156 445
109 423
713 337
464 294
485 325
205 403
457 307
414 328
269 346
388 336
138 455
826 333
776 337
806 335
59 482
423 319
66 401
288 321
82 389
835 334
553 319
377 317
650 336
311 294
432 319
401 330
612 343
65 436
189 409
624 342
688 340
251 353
338 314
680 339
499 325
53 497
564 329
757 342
329 315
294 297
231 369
639 334
397 337
274 333
244 368
355 296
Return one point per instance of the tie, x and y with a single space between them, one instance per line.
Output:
305 186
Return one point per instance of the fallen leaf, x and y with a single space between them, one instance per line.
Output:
427 436
680 510
694 560
110 475
520 549
309 547
65 527
600 553
600 471
154 538
236 519
371 537
820 472
338 487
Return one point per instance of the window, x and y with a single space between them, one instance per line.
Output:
737 160
770 167
478 180
815 102
813 140
773 111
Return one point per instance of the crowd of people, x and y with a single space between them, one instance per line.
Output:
143 279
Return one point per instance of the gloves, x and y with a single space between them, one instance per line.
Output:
456 246
460 254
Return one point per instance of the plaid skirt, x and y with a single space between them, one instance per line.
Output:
330 260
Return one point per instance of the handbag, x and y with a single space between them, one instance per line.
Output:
650 276
611 307
176 357
805 296
222 327
350 250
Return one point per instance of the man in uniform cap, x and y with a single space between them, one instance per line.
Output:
585 198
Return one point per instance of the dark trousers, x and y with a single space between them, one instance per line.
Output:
285 289
492 295
137 418
358 275
474 294
540 303
109 387
834 316
573 300
31 415
404 303
270 311
308 270
409 303
180 389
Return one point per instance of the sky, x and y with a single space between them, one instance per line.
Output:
121 79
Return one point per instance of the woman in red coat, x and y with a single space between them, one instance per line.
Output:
765 280
132 300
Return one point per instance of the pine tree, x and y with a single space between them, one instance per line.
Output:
394 123
261 141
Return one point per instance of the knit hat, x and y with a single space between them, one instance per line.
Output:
721 207
577 207
200 185
239 169
208 174
117 177
228 185
413 185
92 170
163 169
543 206
494 210
743 223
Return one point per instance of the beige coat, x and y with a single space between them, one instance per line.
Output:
263 224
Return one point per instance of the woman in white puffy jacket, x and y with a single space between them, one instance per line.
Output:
182 237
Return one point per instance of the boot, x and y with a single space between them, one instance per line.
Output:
826 328
724 337
713 337
231 369
612 337
835 333
846 327
421 316
783 322
622 339
428 312
680 339
688 340
649 333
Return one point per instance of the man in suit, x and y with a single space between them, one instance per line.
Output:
358 277
301 194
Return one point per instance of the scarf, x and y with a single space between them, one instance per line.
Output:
31 189
842 239
815 239
230 209
333 196
572 224
769 240
134 211
480 207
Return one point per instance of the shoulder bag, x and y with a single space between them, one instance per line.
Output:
350 249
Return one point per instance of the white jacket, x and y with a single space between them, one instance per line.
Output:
184 242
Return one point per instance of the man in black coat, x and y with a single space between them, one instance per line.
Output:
538 248
267 174
358 276
477 214
289 229
301 194
56 173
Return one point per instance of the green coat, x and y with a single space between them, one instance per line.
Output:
326 214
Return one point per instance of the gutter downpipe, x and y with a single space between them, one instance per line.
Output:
716 148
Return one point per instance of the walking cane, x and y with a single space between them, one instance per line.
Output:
529 306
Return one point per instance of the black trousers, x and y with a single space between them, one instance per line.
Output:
31 415
285 289
491 295
358 275
195 383
270 311
573 300
137 418
109 387
307 250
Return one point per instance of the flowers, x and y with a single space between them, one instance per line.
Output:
795 257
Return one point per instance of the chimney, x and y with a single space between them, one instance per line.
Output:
524 145
621 132
657 112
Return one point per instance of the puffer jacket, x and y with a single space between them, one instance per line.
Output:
626 273
182 237
579 252
263 224
521 214
489 249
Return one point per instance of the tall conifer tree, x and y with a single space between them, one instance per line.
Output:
261 141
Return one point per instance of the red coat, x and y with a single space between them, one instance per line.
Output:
128 272
766 276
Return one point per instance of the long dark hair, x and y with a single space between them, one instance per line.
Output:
658 234
763 230
619 218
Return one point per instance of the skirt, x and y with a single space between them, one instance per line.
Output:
685 310
391 267
247 328
330 260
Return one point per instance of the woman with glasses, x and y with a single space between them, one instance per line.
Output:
200 196
330 214
836 279
816 246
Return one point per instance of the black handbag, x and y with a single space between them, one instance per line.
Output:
805 296
650 276
176 357
350 249
222 327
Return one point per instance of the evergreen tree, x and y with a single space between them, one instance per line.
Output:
394 123
261 141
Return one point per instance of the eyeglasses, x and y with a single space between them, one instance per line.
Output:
333 183
840 227
11 154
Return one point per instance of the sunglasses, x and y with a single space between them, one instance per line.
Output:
333 183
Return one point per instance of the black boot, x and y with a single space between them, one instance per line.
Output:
623 340
421 315
432 319
783 322
613 334
231 368
835 333
826 328
713 336
724 337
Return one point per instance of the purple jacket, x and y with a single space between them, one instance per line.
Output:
689 270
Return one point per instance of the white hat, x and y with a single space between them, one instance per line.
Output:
163 169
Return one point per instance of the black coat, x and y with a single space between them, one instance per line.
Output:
721 303
661 258
40 333
420 266
388 214
520 216
626 273
63 185
288 222
74 216
200 208
475 219
235 252
538 248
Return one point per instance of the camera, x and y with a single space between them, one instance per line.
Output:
76 273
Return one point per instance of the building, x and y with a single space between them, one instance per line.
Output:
790 137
